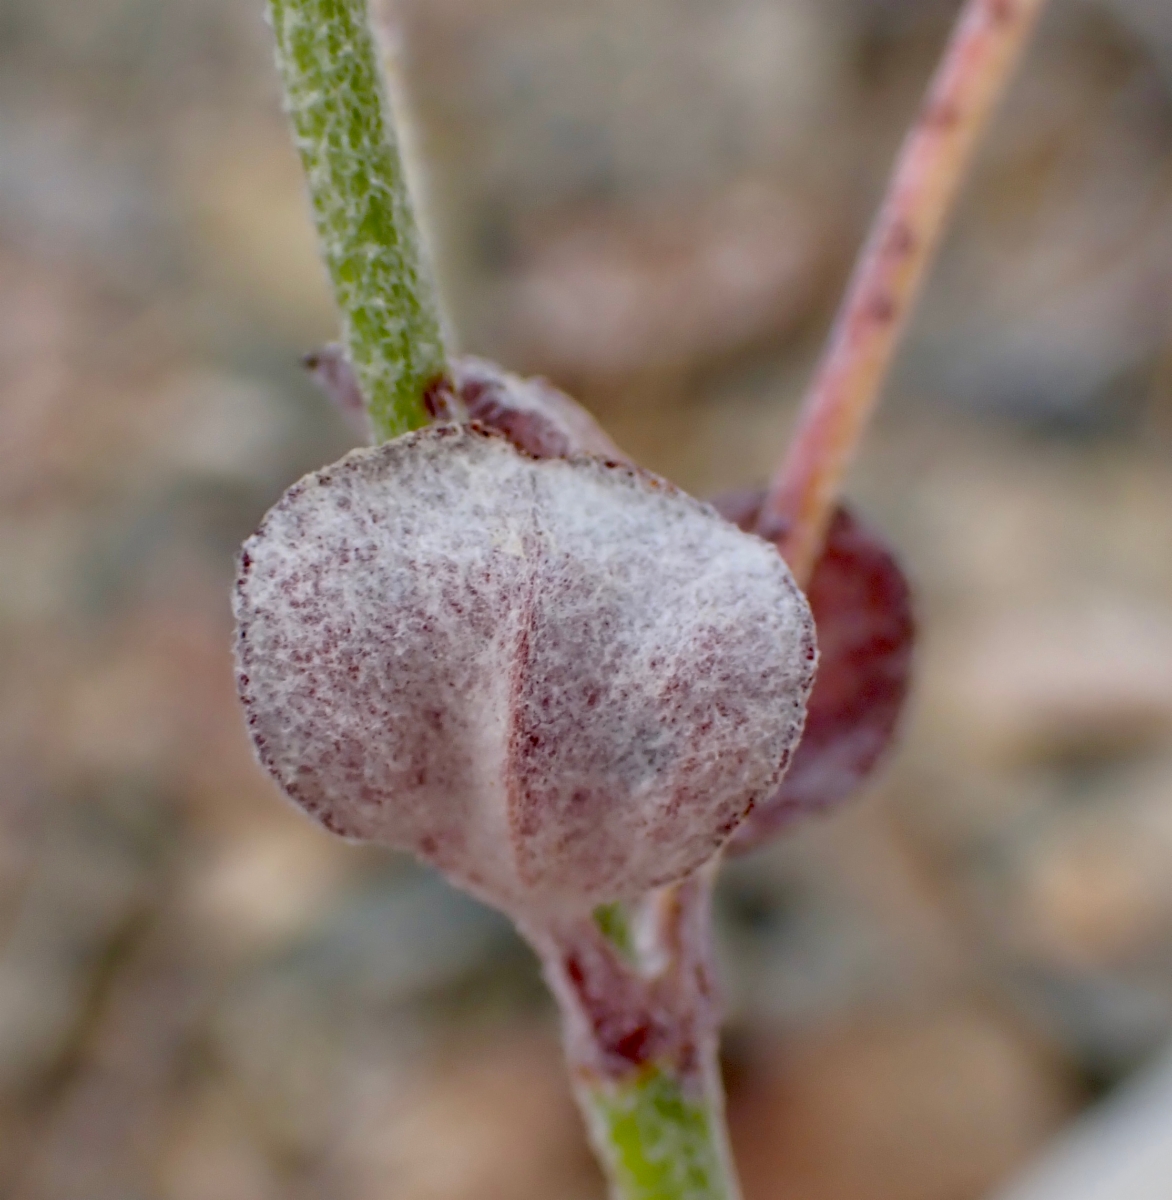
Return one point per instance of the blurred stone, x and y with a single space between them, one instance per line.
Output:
239 185
78 359
834 920
938 1108
258 892
1119 1149
70 192
612 295
152 695
1077 901
1048 304
1151 20
215 1153
1072 683
222 428
40 555
104 1115
1106 1024
646 93
1097 894
492 1121
38 314
566 110
396 939
94 880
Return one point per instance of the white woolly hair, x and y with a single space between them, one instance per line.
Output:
561 682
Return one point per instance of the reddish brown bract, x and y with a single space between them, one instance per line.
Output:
534 415
862 611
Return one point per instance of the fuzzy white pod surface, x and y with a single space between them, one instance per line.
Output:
561 682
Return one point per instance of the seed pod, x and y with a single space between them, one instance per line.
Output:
562 682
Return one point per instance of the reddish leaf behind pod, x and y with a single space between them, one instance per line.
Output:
862 612
333 373
534 415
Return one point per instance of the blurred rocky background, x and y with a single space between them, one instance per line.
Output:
655 203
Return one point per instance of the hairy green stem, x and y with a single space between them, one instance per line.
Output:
641 1019
337 101
658 1138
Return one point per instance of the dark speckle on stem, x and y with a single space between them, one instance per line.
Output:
1002 12
941 117
438 399
881 308
901 241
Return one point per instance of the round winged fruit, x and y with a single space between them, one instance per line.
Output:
560 680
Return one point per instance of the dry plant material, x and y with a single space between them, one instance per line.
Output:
562 681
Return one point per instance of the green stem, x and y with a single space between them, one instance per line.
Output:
658 1138
641 1021
337 101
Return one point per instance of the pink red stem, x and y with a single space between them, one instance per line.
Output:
986 44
